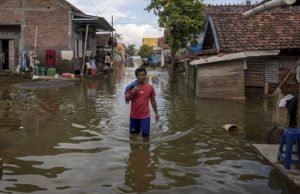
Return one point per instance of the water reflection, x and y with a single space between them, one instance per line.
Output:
140 170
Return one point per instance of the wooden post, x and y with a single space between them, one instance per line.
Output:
84 52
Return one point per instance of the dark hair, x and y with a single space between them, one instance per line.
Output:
140 69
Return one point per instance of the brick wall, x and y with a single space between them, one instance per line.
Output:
51 17
53 26
10 12
10 4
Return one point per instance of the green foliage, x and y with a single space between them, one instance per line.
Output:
118 37
145 51
182 19
131 49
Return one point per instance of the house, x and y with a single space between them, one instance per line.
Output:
150 42
165 50
121 50
46 25
247 57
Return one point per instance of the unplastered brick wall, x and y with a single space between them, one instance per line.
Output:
52 20
50 16
11 3
10 11
53 28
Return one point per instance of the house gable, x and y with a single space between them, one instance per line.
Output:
210 40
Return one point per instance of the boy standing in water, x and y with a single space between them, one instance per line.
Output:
139 93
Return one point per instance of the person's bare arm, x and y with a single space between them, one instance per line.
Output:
154 106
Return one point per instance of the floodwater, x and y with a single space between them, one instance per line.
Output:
76 140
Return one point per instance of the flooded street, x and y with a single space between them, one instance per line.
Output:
76 140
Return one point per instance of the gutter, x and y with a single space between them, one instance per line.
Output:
267 6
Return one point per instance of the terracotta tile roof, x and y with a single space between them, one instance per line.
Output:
267 31
227 9
102 39
239 9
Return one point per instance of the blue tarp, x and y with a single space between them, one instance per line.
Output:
154 59
196 49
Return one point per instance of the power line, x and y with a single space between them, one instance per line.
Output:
94 5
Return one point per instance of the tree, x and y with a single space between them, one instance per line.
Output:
145 51
131 49
118 37
182 19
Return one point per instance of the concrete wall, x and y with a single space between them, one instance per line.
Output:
223 80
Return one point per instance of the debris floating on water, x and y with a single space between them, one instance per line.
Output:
232 129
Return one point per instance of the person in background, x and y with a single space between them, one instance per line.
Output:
107 59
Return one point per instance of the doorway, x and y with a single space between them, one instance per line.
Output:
7 54
4 54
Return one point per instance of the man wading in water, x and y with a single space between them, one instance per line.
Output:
139 93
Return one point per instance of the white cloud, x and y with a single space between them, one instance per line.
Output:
131 33
134 34
102 8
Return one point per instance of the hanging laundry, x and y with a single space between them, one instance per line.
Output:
24 60
283 101
50 57
93 63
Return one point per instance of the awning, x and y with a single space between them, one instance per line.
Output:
99 23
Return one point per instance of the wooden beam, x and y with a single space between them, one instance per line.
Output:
84 52
233 56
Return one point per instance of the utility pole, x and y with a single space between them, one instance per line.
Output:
112 35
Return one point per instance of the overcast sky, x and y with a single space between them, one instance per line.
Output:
130 18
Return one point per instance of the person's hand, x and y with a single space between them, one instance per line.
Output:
156 117
135 90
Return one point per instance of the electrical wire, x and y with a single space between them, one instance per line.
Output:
93 4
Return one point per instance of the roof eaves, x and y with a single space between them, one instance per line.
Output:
233 56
